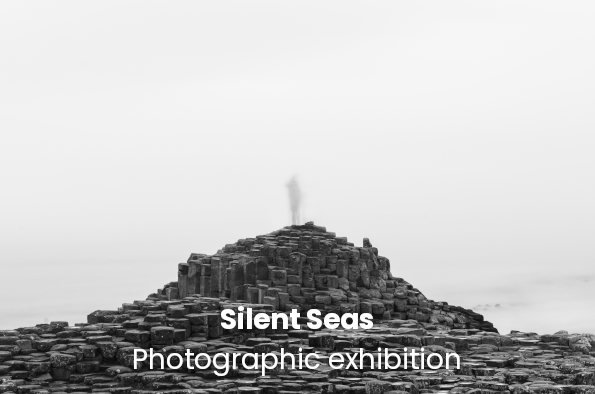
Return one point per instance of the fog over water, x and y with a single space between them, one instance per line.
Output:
457 136
69 290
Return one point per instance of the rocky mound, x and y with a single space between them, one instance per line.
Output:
304 267
295 268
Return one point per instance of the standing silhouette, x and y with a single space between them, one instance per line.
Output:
295 199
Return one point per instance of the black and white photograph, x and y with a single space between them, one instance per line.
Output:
283 197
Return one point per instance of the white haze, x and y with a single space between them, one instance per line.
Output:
457 136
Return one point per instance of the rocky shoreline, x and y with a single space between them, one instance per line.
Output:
295 268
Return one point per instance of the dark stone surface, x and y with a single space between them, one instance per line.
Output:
297 268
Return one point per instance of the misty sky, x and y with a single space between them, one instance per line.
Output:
458 136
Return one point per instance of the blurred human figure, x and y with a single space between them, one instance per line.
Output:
295 199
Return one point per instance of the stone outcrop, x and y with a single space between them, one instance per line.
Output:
295 268
304 267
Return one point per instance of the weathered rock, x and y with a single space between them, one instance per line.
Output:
295 268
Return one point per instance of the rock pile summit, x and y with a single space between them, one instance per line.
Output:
300 267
